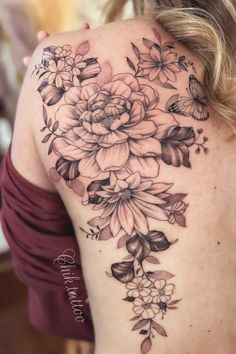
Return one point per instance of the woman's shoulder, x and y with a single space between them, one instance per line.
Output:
144 74
111 38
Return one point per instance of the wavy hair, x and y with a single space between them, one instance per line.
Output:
208 28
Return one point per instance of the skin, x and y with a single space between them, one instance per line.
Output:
41 35
72 345
204 257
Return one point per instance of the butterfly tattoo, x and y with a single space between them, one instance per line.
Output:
194 106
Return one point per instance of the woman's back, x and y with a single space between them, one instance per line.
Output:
118 119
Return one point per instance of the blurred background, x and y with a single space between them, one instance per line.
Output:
19 22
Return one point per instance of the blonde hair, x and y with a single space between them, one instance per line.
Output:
207 28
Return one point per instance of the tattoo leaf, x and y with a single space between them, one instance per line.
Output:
49 123
42 74
106 74
169 45
162 305
107 273
122 241
152 260
134 318
82 48
94 187
157 241
139 247
177 197
123 271
148 44
177 151
167 85
68 170
46 138
175 146
146 345
140 324
50 148
157 35
143 331
180 220
161 275
136 50
105 233
45 115
55 126
127 258
129 298
89 74
160 330
174 302
131 64
50 93
78 187
54 175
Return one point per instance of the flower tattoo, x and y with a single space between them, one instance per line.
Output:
159 65
111 130
58 73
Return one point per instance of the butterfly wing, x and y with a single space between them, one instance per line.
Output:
195 105
195 88
183 106
197 92
200 112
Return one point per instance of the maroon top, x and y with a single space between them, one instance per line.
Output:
45 255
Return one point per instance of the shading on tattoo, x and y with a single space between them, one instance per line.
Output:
194 106
111 137
160 62
61 70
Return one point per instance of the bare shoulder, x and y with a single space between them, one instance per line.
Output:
146 73
123 127
160 81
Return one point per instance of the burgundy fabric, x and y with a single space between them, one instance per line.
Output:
38 230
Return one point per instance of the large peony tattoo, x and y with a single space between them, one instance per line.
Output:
103 126
111 136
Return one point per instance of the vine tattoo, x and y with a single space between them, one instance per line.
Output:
111 137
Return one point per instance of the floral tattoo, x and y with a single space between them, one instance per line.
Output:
111 137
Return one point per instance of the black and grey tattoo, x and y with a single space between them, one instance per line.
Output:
111 137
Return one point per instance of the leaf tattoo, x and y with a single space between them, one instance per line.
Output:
110 129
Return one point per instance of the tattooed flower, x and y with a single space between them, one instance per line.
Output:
63 52
139 287
74 65
105 128
159 64
129 202
63 71
162 292
58 73
55 53
145 308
